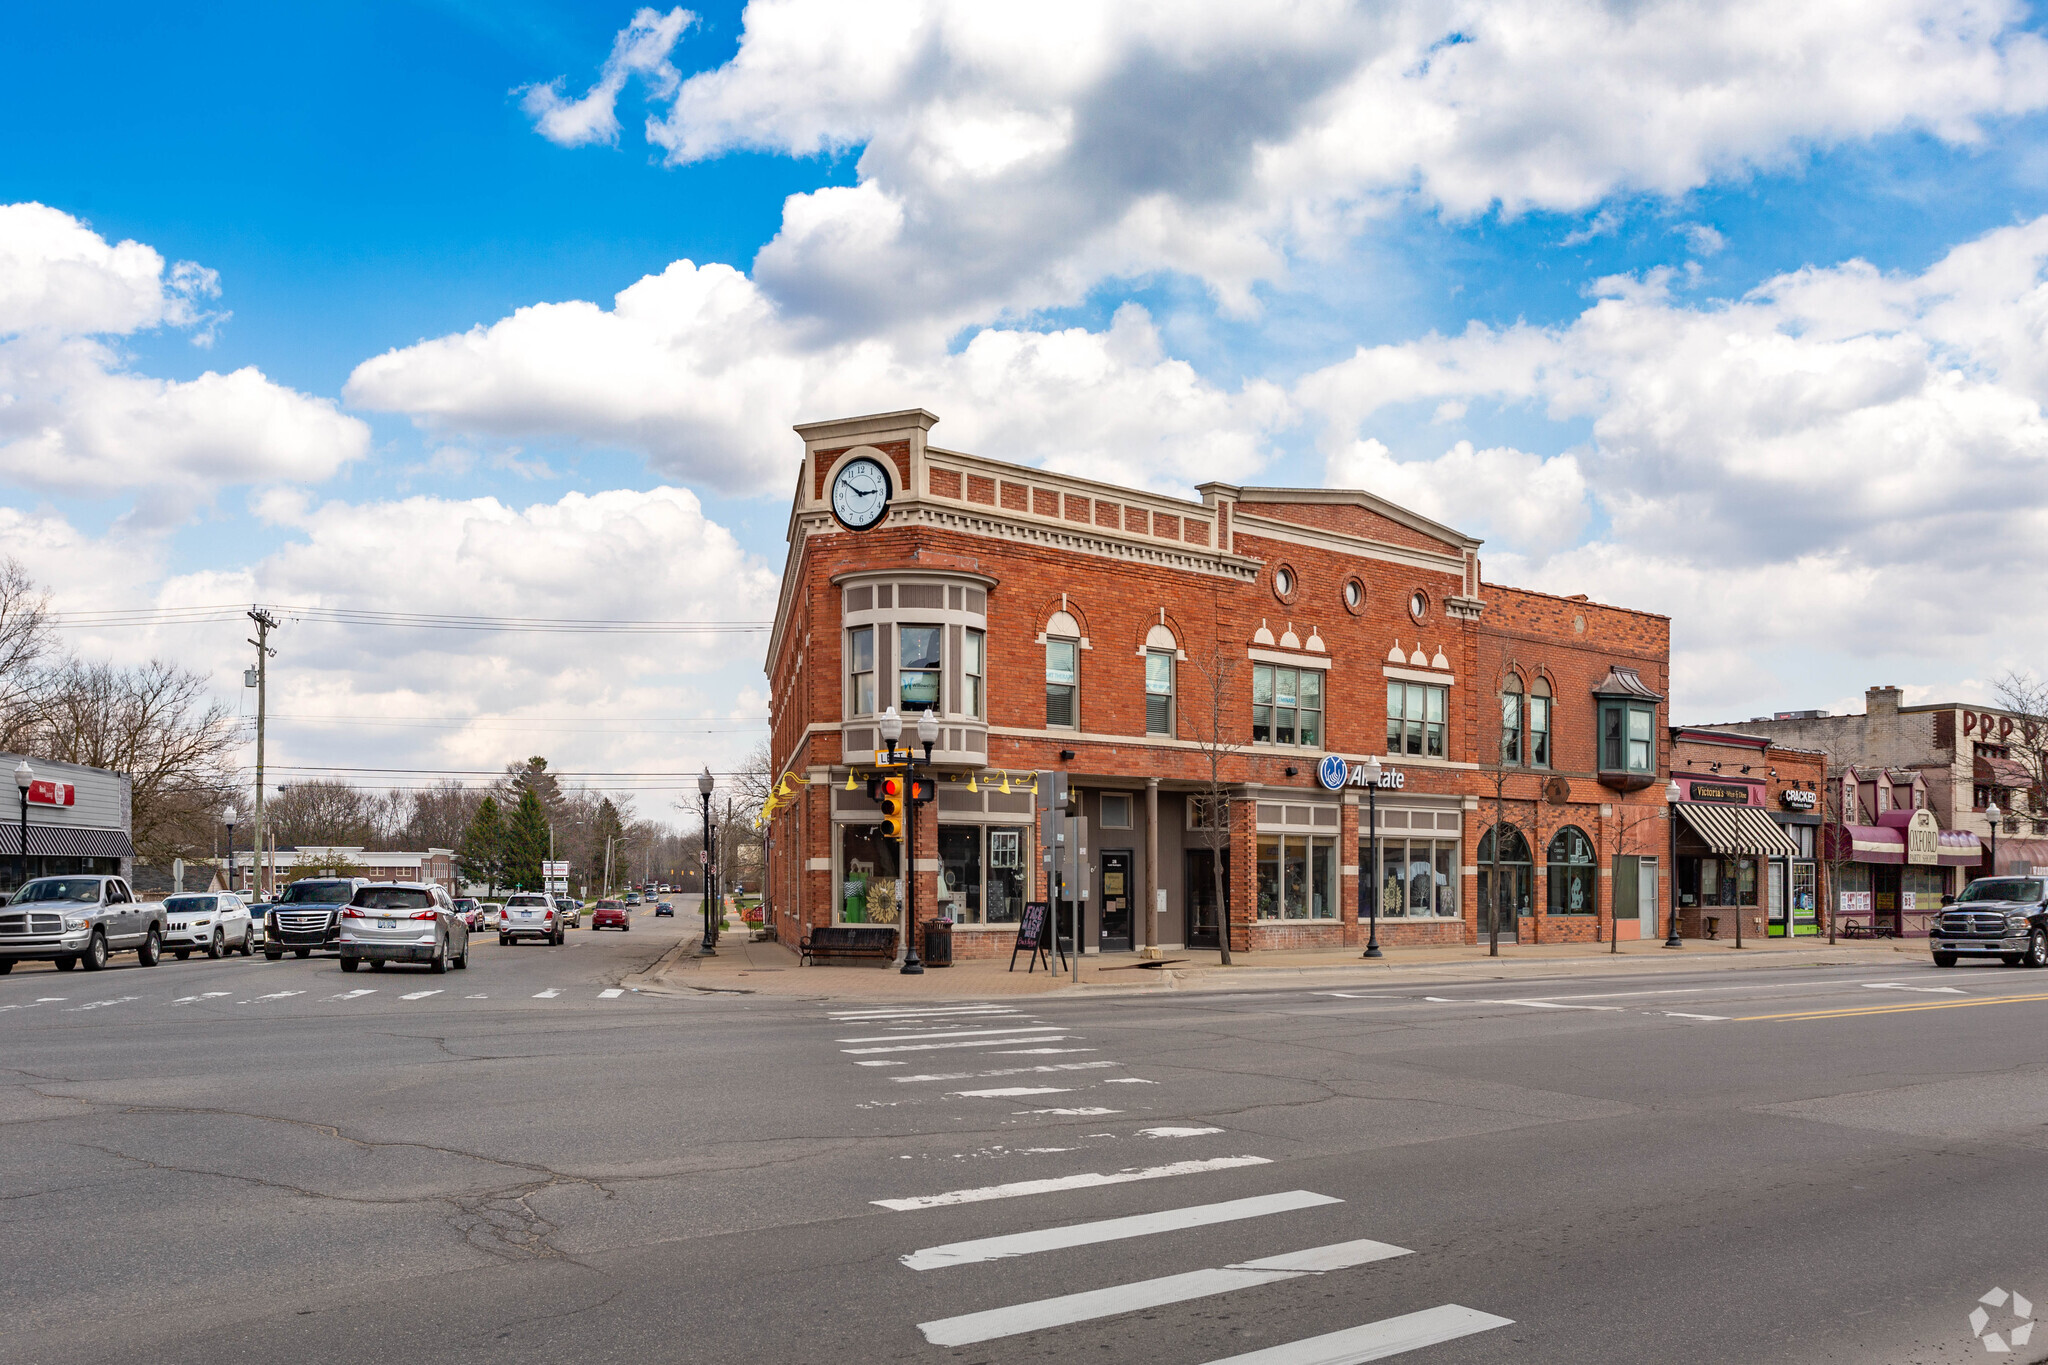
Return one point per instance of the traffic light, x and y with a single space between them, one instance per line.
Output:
921 790
892 805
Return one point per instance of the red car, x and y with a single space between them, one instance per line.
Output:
610 915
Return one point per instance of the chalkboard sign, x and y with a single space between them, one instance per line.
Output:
1032 936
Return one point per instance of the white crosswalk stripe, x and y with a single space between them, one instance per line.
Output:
1376 1340
1083 1181
548 994
942 1047
419 995
1005 1031
612 993
1112 1229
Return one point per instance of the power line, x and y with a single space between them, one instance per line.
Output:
117 618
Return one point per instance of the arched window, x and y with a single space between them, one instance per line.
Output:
1511 722
1571 872
1062 672
1537 714
1160 647
1510 898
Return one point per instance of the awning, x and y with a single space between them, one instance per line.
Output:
60 841
1737 829
1887 844
1986 771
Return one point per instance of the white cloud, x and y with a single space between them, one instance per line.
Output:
1011 156
73 416
641 49
1843 460
698 370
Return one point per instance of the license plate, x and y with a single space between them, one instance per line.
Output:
387 924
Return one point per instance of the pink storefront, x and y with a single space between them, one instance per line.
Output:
1895 874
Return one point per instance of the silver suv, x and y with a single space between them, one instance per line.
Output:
529 914
403 922
69 920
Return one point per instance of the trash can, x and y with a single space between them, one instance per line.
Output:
938 943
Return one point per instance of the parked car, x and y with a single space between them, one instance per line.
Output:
529 914
571 911
664 908
403 922
610 915
2006 917
69 920
212 922
308 916
258 912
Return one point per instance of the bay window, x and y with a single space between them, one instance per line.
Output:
860 671
1628 741
917 667
973 670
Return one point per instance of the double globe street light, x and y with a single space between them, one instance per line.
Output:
227 817
709 948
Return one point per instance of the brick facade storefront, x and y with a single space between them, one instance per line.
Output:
1277 628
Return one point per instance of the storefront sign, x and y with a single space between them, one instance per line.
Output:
52 794
1923 839
1728 793
1334 773
1796 799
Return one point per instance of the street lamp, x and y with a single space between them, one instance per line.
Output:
1991 813
227 817
23 775
1671 795
709 948
1372 877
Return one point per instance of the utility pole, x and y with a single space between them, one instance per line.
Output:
265 623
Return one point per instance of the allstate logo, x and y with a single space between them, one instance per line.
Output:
2017 1333
1332 772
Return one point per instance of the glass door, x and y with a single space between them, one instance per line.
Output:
1116 900
1204 923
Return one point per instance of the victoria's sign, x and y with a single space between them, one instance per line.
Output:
1334 773
1730 793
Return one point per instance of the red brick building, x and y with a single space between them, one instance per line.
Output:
1131 640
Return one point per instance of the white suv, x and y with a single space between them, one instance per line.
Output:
529 914
213 922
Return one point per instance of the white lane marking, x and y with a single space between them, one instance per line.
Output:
213 995
1358 995
1044 1067
1110 1229
923 1014
1044 1051
610 993
548 994
1090 1112
274 995
1126 1080
51 999
1176 1132
1013 1091
1085 1181
1008 1029
1376 1340
1141 1294
476 997
1689 990
419 995
181 1000
941 1047
355 994
102 1004
1674 1014
1527 1004
1902 986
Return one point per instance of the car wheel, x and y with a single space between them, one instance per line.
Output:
182 954
438 963
152 950
2037 949
6 965
273 954
504 940
376 964
302 952
95 952
462 963
349 964
1944 960
248 942
65 964
217 948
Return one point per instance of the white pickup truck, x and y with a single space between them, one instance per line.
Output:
69 920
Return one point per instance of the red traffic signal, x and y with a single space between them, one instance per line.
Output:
892 805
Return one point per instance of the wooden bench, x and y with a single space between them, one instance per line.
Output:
848 940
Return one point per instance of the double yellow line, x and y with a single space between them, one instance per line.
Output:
1894 1009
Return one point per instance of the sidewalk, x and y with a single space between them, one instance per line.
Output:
772 969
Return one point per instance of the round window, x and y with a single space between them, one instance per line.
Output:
1418 605
1283 582
1354 594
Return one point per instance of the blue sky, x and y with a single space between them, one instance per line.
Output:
1283 221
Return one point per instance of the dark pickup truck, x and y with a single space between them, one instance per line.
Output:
2002 917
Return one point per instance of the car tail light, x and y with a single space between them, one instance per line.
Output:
353 913
423 914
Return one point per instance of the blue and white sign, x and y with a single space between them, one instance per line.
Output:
1333 772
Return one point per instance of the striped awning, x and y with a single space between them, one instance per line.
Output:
1737 829
58 841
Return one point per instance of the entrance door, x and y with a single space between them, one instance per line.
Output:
1116 900
1511 903
1777 924
1204 923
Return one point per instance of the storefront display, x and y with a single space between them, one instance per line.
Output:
1418 877
1297 877
869 865
982 875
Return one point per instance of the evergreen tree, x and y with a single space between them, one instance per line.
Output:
526 843
483 846
608 826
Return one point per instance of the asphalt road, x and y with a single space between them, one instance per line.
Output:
248 1161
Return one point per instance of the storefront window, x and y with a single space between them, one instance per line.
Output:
1805 901
1511 895
960 873
1008 882
1297 877
1416 876
1924 886
868 867
982 876
1570 873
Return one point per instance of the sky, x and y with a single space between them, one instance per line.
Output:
1731 311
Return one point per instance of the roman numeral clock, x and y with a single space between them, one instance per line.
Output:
860 493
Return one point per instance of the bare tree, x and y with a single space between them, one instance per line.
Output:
323 812
1211 711
2026 696
439 814
26 642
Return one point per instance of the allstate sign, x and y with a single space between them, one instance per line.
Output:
1333 772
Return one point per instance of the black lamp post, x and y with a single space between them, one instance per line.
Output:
23 775
1992 813
1372 877
1671 795
227 817
709 948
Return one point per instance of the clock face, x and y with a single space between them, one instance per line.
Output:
860 494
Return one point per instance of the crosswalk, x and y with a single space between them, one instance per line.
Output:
360 993
972 1033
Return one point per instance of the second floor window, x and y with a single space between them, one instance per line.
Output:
1537 744
1510 723
1287 705
918 667
860 671
1062 683
1415 719
1158 692
1628 737
972 670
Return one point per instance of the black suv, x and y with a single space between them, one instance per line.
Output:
2005 916
308 916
